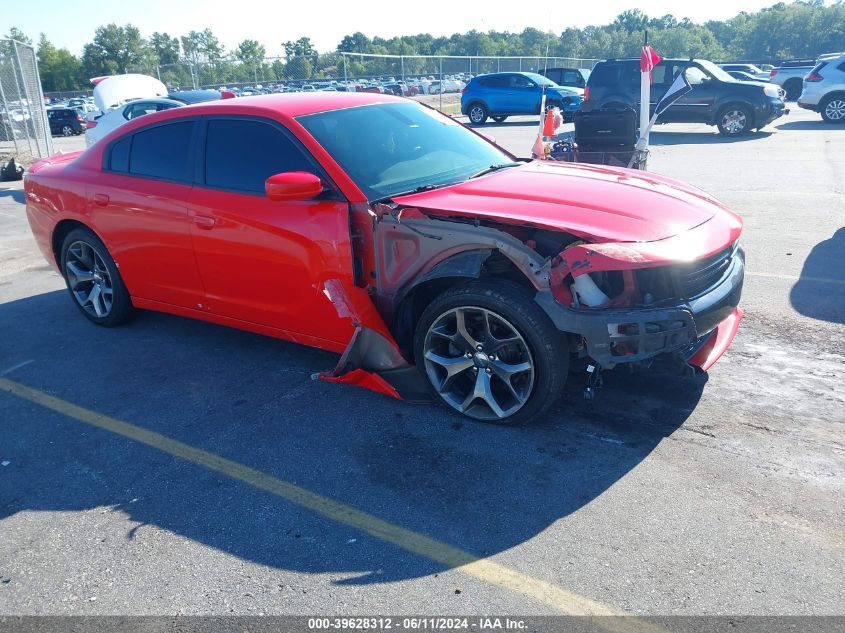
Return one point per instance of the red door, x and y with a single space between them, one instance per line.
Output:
265 261
140 205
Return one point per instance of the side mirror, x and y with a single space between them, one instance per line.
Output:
293 185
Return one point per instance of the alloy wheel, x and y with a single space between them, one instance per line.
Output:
476 114
734 121
89 279
835 109
67 130
478 363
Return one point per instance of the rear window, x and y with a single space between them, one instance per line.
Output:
162 151
240 155
119 156
497 81
606 75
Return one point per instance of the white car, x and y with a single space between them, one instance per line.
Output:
824 89
752 69
116 117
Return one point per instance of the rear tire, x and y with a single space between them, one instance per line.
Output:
488 351
67 130
477 114
832 109
93 281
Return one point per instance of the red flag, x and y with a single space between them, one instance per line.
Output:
648 60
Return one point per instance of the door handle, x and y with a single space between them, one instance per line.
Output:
101 199
204 221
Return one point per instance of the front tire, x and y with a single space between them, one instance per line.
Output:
734 120
833 109
93 281
489 352
477 114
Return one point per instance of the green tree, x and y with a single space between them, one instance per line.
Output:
300 48
59 68
355 43
165 47
16 34
116 49
299 68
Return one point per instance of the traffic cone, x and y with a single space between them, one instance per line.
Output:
549 124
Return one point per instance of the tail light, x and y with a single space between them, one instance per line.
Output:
91 124
79 117
814 76
773 72
587 93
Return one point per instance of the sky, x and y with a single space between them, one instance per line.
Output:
272 22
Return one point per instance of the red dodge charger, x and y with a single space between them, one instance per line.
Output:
434 261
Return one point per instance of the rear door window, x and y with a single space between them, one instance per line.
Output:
498 81
163 151
606 75
241 154
119 155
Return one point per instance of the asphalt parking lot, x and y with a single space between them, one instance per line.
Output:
176 467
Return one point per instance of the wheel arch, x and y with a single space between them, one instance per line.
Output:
468 265
60 232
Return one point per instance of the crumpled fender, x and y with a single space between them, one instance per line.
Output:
720 339
371 349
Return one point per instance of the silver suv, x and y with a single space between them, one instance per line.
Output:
824 89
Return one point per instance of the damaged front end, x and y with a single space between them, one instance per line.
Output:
616 302
632 302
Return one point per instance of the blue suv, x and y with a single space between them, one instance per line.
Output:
499 95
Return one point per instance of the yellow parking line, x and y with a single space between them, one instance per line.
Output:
824 280
485 570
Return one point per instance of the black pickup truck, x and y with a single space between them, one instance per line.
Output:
716 98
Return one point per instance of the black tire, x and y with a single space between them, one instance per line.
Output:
67 130
498 119
477 113
120 310
540 345
735 120
832 109
793 88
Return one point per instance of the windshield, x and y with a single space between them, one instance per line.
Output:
541 80
393 148
714 70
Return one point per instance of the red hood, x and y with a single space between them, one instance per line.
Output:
605 203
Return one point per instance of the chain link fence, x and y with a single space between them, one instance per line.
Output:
24 129
437 80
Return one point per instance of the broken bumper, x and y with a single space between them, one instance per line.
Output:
700 329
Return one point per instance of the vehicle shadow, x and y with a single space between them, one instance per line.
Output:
819 292
663 137
806 125
15 194
482 488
